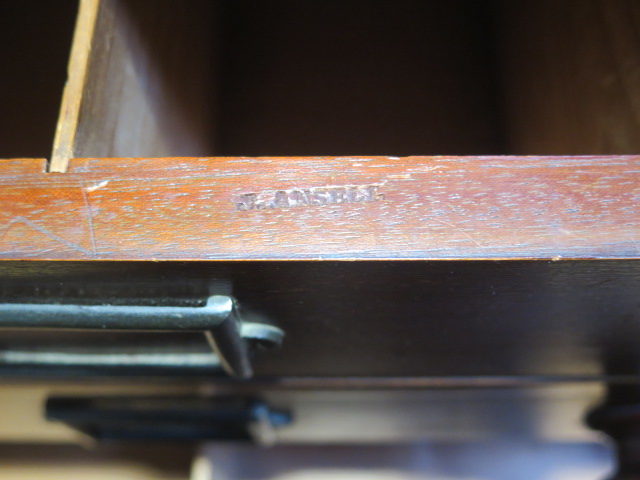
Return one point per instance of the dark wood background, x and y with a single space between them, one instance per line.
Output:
569 319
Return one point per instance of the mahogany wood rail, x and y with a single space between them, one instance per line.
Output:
319 208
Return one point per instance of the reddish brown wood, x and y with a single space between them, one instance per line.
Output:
377 208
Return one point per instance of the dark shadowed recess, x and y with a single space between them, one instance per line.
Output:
460 318
35 39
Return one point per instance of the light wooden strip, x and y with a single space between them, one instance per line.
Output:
77 76
133 91
324 208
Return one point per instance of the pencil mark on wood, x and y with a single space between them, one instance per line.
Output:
309 197
45 232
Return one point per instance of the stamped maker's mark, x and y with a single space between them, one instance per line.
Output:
309 197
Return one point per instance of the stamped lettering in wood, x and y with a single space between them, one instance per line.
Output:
309 197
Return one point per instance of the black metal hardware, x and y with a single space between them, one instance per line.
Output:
169 418
619 418
226 332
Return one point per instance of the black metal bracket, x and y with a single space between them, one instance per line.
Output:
226 332
169 419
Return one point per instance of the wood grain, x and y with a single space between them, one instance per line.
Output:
78 70
139 81
424 208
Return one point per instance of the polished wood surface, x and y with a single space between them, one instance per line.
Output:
322 208
384 350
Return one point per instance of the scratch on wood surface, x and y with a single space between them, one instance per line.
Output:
455 227
97 186
89 213
45 232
